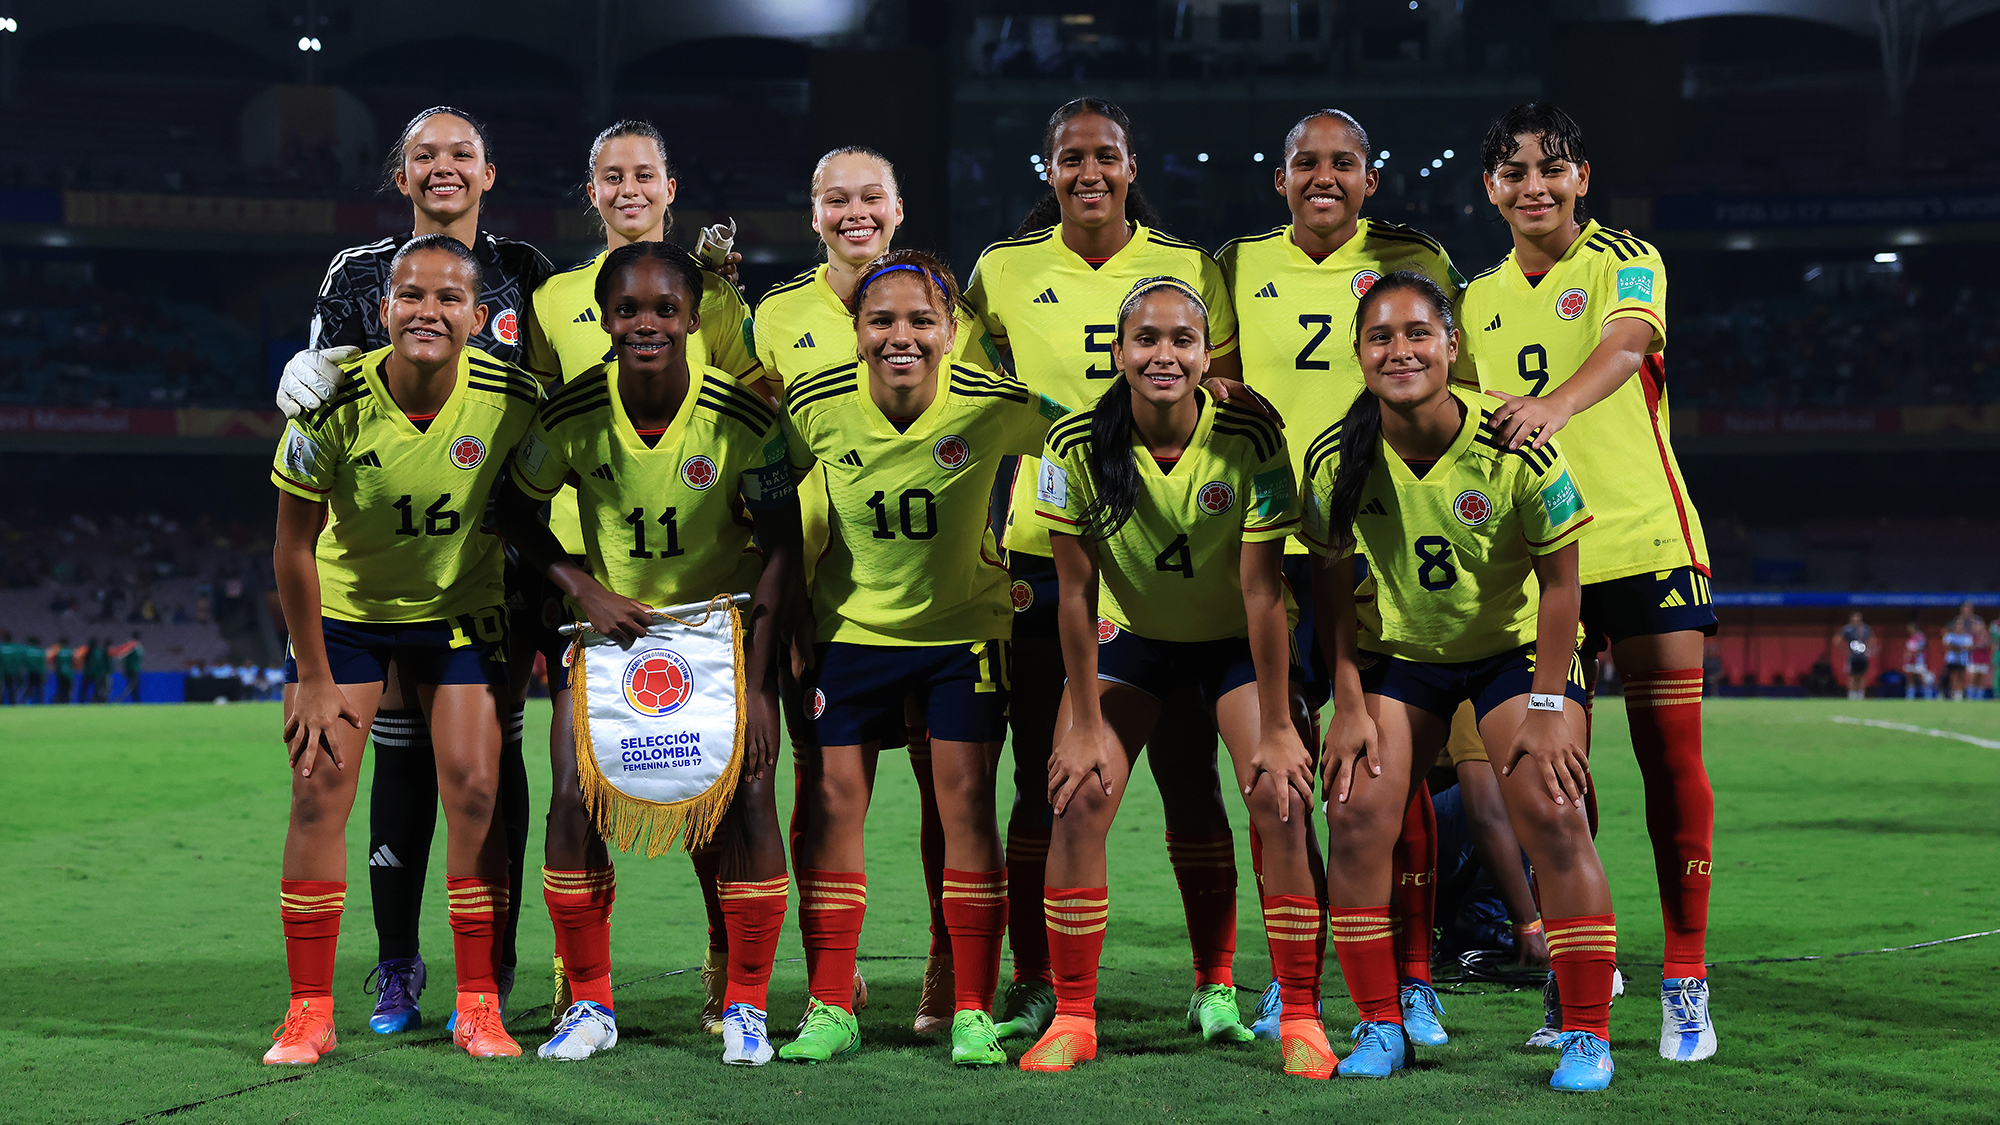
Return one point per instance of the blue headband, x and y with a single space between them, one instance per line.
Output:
870 279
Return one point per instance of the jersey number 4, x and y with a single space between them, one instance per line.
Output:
1434 570
437 521
1175 559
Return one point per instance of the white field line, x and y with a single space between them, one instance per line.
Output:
1907 728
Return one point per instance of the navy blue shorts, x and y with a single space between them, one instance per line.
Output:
1646 605
856 692
1158 668
1308 662
1034 592
535 610
468 649
1440 688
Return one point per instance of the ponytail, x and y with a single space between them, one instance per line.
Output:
1047 211
1113 465
1360 438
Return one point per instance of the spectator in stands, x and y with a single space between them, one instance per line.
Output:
1855 647
1960 634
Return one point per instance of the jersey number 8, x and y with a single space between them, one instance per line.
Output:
1434 570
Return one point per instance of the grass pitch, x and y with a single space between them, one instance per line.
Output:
142 968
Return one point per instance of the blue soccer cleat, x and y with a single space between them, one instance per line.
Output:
396 983
1380 1049
1423 1013
1585 1065
745 1042
1687 1034
1265 1026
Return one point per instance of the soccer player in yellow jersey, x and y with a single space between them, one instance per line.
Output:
645 439
380 555
1180 506
1569 333
805 326
1294 289
1472 549
912 600
1049 297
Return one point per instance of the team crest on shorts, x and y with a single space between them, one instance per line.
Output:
467 452
1364 281
1215 498
507 326
657 682
1107 631
699 472
552 612
1569 306
951 452
1472 507
819 703
1023 595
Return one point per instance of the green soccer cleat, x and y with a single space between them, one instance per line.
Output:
973 1042
826 1032
1212 1011
1026 1009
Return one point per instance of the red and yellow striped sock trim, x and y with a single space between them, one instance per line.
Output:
1585 937
989 892
578 882
477 898
1663 689
301 906
1023 848
777 887
1201 851
1287 921
1346 928
832 894
1076 916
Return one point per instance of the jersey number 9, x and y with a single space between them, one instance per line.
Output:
1534 366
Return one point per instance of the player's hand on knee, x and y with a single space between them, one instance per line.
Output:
311 730
1544 737
1351 746
311 377
1280 754
1081 754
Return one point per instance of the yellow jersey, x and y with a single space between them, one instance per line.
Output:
1058 314
1450 553
802 327
1526 338
1173 572
1295 316
403 539
910 557
655 525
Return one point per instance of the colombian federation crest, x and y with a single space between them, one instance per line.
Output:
699 473
1570 305
1023 595
819 703
1107 631
507 326
467 452
1472 507
1215 497
657 682
951 452
1363 282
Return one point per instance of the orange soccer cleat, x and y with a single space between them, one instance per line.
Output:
1307 1053
306 1036
1068 1041
480 1031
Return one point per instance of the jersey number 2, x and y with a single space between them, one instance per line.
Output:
1434 570
1324 324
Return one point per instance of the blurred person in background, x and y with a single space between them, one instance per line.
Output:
1856 644
34 669
62 664
131 658
1916 664
96 677
1960 634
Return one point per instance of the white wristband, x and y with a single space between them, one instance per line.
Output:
1544 702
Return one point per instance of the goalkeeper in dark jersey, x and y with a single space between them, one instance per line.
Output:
444 166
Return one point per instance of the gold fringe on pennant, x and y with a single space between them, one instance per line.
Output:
633 824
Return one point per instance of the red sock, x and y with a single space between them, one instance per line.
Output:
707 864
1205 867
477 910
1027 865
930 839
1367 960
1664 709
801 770
580 907
310 911
1415 898
1583 952
831 907
1075 920
754 913
1292 926
975 910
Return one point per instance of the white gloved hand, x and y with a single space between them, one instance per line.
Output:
310 379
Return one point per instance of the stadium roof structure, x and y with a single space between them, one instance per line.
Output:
1864 17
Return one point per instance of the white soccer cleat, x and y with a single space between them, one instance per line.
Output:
744 1041
586 1029
1687 1034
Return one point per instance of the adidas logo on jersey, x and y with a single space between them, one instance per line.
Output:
588 316
1047 297
1673 600
1270 290
602 472
806 341
853 458
368 460
1374 508
1495 324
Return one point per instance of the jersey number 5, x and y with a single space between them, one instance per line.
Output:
1091 344
1434 570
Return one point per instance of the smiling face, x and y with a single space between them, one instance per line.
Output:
1163 349
430 309
1405 349
649 313
630 188
444 168
1091 169
901 333
1536 193
1326 177
856 208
